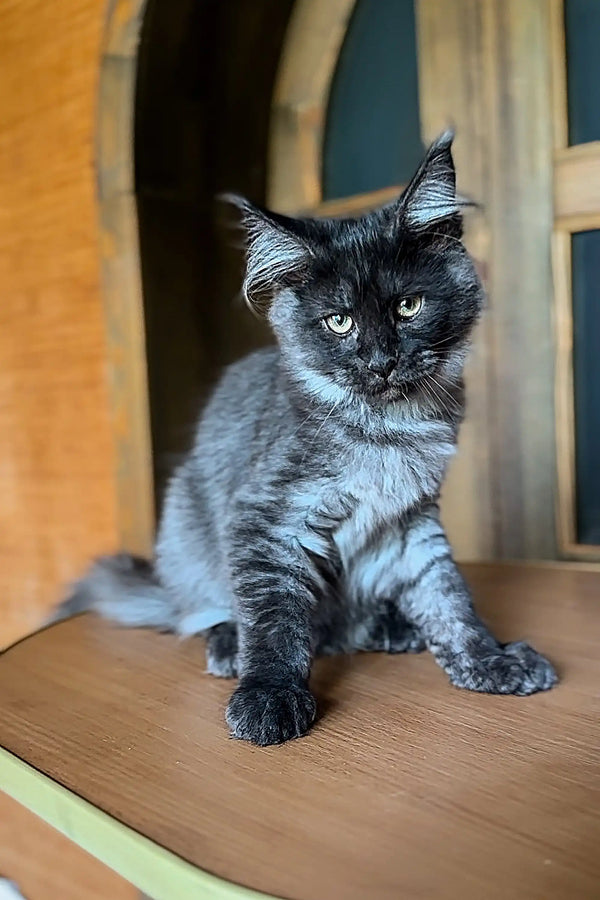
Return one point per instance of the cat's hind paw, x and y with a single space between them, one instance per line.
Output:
222 650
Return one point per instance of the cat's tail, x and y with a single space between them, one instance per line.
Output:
123 588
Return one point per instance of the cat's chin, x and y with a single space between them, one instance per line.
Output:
389 395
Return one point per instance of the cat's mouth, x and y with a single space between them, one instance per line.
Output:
396 388
391 392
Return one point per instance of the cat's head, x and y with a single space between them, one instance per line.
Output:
375 306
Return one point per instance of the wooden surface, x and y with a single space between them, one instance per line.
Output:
405 788
47 866
56 451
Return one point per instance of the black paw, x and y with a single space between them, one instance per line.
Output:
221 650
393 633
266 713
510 669
408 641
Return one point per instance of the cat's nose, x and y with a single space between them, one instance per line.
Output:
382 365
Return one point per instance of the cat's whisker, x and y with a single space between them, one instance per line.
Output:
439 399
447 339
442 388
320 428
454 406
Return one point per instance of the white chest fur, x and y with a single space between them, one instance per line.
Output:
383 482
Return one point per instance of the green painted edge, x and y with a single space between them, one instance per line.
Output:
150 868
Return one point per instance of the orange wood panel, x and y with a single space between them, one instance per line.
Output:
57 492
45 865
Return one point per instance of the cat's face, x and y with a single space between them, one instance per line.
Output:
378 307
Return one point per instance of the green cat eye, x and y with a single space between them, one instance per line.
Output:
409 307
340 323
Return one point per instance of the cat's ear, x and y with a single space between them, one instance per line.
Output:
430 197
276 250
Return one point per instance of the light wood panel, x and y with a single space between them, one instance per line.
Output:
565 412
45 865
121 278
577 187
450 58
57 459
521 222
485 65
309 56
357 204
406 787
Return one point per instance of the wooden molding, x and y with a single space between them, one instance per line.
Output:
355 205
576 208
566 507
563 389
558 55
308 60
577 186
123 301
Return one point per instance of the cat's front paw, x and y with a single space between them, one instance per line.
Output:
265 713
511 669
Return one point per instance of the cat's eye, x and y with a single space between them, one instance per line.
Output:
340 323
409 307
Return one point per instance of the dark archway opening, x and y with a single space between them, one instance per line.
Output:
206 74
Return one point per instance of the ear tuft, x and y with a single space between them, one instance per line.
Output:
275 252
431 194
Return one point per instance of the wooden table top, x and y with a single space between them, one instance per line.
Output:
405 788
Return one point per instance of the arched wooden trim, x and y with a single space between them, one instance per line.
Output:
308 60
121 275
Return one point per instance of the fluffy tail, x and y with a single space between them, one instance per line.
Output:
124 588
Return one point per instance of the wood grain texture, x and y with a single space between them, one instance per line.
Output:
577 187
521 220
450 58
356 205
56 453
485 65
576 208
564 392
47 866
309 57
121 278
405 788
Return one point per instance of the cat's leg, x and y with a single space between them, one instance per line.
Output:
222 650
377 626
413 564
389 631
374 620
276 585
434 596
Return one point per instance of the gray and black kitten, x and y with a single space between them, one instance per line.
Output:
305 519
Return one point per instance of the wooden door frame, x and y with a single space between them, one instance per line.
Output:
576 208
121 276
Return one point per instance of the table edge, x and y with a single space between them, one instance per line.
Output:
152 869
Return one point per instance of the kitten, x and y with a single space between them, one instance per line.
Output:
305 519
